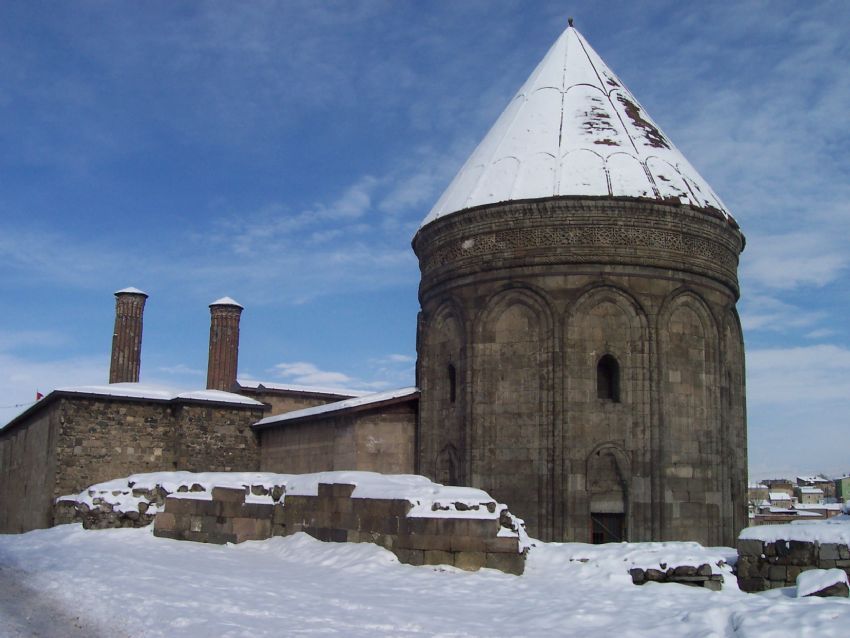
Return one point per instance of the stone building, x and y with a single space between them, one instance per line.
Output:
580 355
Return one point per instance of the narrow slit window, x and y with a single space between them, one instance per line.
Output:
608 379
452 383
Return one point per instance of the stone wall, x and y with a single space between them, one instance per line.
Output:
216 438
334 516
378 440
71 441
766 565
27 470
520 301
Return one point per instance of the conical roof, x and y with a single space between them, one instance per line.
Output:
574 129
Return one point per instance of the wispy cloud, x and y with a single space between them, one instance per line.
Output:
304 373
760 312
793 260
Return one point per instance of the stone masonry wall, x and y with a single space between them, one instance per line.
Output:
27 468
101 439
768 565
332 515
380 440
216 438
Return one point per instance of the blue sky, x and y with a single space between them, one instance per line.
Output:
284 153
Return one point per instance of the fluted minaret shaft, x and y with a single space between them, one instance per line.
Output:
127 336
224 344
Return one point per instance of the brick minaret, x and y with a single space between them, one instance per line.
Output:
127 336
224 344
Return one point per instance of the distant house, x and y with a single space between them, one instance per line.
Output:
819 481
809 495
780 485
779 499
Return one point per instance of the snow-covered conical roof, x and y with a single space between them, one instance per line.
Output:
574 129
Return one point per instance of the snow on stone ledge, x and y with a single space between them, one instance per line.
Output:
833 530
142 391
428 499
814 580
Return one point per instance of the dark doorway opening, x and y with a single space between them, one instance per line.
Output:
607 528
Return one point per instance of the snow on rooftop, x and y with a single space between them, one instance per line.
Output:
376 397
810 490
778 496
227 301
573 128
289 387
130 291
142 391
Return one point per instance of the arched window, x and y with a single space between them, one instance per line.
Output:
608 379
452 383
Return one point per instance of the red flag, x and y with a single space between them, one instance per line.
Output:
38 396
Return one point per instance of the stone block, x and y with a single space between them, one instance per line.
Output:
221 538
508 563
750 547
504 544
469 544
470 560
778 573
197 537
752 585
229 494
714 584
342 490
431 542
829 551
172 534
437 557
827 564
175 505
165 521
485 527
638 575
278 515
410 556
229 509
258 510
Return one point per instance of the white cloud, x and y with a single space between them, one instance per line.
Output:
761 312
792 260
304 373
182 369
803 375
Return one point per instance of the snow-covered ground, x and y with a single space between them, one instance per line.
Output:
131 584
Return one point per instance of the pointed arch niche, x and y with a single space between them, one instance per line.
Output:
606 389
691 435
441 406
511 447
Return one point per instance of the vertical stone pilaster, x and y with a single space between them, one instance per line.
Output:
224 344
127 336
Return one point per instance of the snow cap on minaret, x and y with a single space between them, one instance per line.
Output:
574 129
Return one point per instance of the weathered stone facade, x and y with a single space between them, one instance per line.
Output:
77 440
581 359
380 439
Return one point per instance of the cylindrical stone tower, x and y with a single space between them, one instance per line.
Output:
224 344
127 336
580 355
